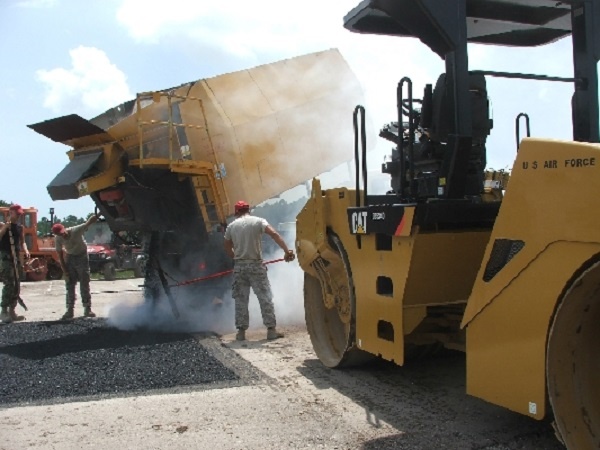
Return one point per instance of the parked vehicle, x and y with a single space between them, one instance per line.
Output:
110 252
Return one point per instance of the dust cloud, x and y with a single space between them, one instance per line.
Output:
292 121
194 314
287 286
200 313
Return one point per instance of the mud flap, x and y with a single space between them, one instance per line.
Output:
64 185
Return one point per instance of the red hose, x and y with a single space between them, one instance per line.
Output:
219 274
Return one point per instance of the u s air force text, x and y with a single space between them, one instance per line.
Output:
571 163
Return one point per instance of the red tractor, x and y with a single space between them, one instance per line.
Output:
43 263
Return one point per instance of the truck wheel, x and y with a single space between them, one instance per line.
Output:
35 269
110 272
330 318
573 362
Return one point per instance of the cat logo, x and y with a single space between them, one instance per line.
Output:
359 222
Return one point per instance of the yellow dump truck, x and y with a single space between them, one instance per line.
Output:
506 270
172 163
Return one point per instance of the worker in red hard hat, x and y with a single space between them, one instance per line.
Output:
75 264
243 242
12 241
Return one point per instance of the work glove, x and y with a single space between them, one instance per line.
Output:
289 256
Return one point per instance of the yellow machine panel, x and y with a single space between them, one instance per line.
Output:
553 185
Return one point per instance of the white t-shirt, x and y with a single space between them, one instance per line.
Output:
246 234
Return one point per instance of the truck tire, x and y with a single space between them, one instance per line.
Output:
110 271
333 339
572 362
35 269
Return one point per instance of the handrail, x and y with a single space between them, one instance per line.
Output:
517 128
363 142
217 171
411 136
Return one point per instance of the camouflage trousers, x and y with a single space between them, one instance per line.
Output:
78 270
246 275
7 274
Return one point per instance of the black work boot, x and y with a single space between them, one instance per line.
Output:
4 316
68 315
14 317
240 335
272 334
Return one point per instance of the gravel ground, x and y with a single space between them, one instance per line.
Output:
44 361
257 394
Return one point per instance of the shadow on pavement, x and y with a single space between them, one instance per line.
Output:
78 336
426 401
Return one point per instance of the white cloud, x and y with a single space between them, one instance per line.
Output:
236 26
92 84
148 20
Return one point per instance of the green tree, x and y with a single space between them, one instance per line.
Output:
71 221
280 211
44 225
3 203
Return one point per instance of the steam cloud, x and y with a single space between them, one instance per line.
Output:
214 315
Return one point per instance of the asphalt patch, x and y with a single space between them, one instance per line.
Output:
45 361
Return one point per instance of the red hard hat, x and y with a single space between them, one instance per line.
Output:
58 228
241 205
16 208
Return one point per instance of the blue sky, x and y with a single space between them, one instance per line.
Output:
70 56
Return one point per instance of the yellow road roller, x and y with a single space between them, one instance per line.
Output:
504 266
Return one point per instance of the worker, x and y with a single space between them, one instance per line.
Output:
75 264
243 242
11 230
